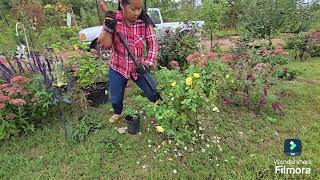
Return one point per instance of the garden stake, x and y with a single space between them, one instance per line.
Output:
154 91
62 113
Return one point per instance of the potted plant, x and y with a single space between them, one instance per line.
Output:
92 78
132 119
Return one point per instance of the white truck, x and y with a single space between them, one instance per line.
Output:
90 35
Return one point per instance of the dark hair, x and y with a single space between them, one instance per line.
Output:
143 16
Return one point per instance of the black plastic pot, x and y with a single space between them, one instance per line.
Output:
133 123
97 94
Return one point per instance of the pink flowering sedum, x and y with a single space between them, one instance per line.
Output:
4 99
19 79
18 102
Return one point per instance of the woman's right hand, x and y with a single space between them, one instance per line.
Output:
109 22
103 6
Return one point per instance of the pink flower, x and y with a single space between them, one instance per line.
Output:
75 69
2 60
196 54
190 59
227 58
4 99
262 101
203 61
11 93
174 64
18 102
22 91
277 107
228 101
260 66
211 55
278 50
263 50
11 116
3 86
250 77
2 106
19 79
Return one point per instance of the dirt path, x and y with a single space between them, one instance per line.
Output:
227 43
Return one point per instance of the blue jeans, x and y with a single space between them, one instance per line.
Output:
118 83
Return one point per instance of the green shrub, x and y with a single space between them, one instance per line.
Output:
315 51
87 124
91 71
286 74
50 36
176 47
22 105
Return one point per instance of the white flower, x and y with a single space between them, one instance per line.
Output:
215 109
174 171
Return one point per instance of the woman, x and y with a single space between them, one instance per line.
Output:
137 28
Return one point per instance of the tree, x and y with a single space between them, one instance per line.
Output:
29 9
262 18
297 16
212 12
232 12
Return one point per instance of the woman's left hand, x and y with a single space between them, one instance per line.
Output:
142 68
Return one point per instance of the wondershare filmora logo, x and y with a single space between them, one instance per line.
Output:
292 148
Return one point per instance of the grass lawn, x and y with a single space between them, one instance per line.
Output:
242 145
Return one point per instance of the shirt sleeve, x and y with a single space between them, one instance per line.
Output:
152 47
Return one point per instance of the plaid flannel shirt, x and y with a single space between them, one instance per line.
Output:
136 35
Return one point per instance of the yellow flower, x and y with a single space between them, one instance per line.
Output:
215 109
173 84
160 129
196 75
189 81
